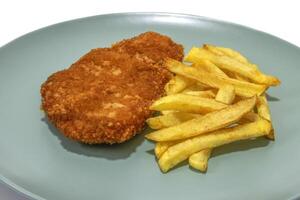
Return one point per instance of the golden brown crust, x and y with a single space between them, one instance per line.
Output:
104 97
152 45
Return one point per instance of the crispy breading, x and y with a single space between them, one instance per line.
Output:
153 45
105 96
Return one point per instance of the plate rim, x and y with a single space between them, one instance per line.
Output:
182 15
26 193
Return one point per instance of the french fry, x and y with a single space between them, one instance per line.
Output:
187 103
207 123
249 117
236 76
223 51
170 119
196 87
233 65
242 88
181 151
263 111
199 160
161 147
241 78
209 67
226 94
204 94
177 84
166 112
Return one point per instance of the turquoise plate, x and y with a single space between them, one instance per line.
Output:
39 162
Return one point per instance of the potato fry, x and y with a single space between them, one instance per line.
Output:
161 147
196 87
241 78
249 117
263 107
204 94
209 67
177 84
233 65
181 151
242 88
207 123
165 112
223 51
170 119
236 76
199 160
226 94
187 103
263 111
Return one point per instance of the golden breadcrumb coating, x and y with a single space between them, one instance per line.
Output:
105 96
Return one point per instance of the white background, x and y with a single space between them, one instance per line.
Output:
280 18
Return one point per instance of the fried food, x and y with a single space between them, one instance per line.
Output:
196 87
170 119
161 147
242 88
249 117
223 51
233 65
181 151
263 111
208 67
199 160
187 103
246 114
177 84
150 47
105 96
226 94
206 123
204 93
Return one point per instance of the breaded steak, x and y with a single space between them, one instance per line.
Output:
104 97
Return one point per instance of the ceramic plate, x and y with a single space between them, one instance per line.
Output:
39 162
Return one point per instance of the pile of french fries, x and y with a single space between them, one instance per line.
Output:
218 99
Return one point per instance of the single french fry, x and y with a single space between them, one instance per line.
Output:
181 151
204 94
226 94
230 64
236 76
177 84
166 112
263 111
170 119
223 51
242 88
199 160
209 67
249 117
187 103
207 123
161 147
241 78
196 87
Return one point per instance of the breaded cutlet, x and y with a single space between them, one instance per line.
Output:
105 96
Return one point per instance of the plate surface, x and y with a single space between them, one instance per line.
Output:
39 162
